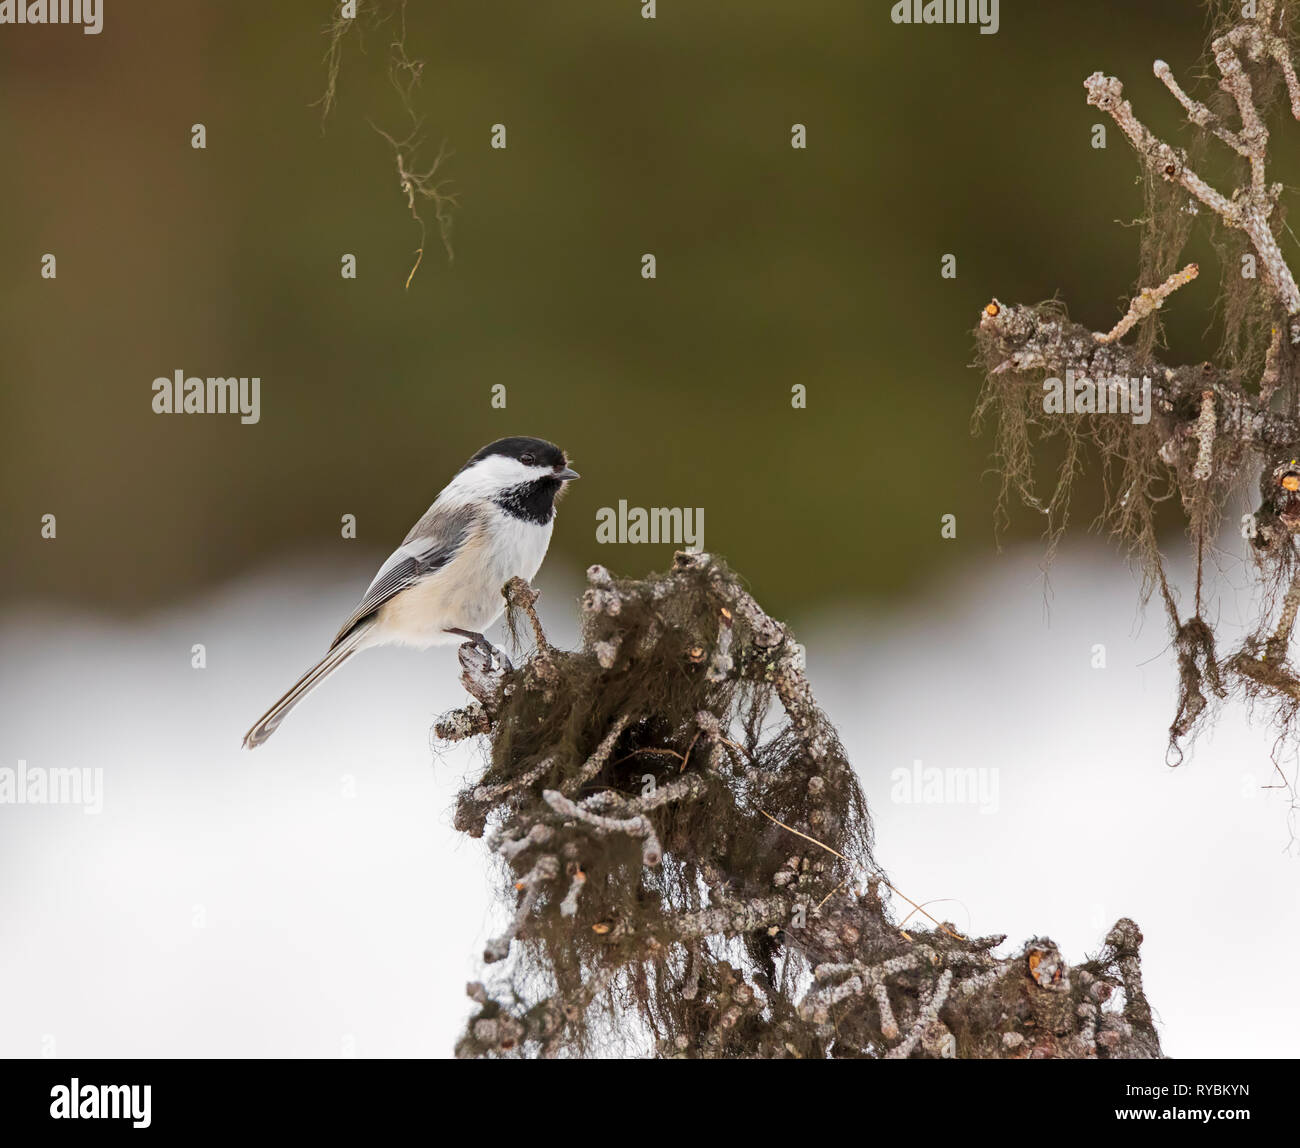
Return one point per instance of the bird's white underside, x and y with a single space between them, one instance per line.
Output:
466 593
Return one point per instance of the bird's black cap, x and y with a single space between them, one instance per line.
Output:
543 453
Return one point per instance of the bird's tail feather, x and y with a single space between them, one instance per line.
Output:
269 722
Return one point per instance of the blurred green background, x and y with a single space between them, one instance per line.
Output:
775 266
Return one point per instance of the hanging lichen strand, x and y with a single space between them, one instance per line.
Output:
687 865
1198 433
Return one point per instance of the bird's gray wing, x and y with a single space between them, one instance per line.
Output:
431 544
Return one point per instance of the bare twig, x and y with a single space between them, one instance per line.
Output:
1147 301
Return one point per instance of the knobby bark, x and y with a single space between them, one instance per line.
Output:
687 860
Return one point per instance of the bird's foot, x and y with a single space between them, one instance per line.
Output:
493 653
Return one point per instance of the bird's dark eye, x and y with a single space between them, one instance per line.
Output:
527 459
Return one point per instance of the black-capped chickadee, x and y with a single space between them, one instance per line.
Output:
491 522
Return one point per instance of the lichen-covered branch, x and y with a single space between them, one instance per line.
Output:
1148 301
688 866
1196 434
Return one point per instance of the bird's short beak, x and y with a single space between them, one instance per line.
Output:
568 474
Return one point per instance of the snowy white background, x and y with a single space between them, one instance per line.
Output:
312 899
